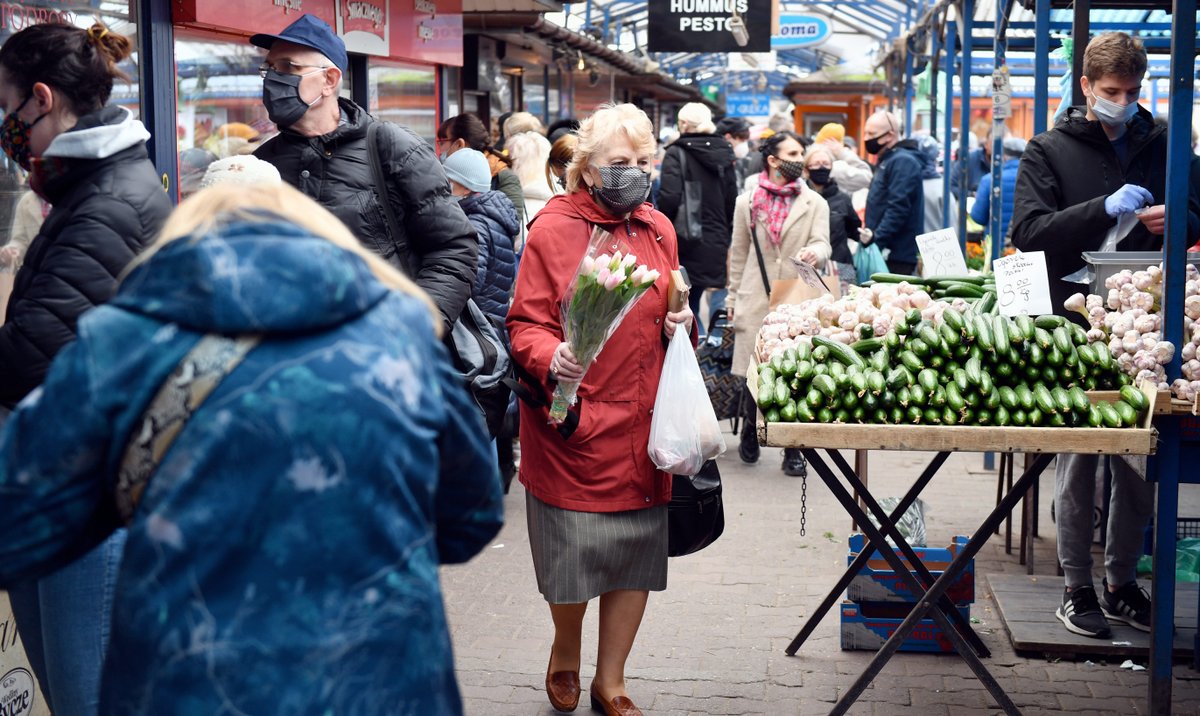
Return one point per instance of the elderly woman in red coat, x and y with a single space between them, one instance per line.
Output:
596 504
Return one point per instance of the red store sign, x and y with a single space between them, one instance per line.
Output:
415 30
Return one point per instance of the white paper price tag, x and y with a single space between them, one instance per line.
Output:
941 254
1022 284
809 275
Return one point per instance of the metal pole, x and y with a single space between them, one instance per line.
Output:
1183 51
968 18
951 38
157 78
934 50
1000 48
1041 67
909 61
1079 31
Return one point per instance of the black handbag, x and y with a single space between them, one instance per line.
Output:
715 356
696 515
688 221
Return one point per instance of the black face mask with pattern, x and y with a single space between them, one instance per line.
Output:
625 188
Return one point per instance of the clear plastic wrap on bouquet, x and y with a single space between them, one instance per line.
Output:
606 285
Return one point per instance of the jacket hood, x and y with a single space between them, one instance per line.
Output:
268 277
99 135
711 151
830 189
1141 129
495 206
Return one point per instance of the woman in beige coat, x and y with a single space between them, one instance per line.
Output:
787 219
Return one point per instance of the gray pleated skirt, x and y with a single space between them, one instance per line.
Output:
578 556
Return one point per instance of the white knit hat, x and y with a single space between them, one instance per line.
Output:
241 169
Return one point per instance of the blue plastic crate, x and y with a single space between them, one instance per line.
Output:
878 582
867 626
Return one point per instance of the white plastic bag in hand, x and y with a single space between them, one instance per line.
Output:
684 432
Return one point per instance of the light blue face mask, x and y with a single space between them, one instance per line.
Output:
1112 114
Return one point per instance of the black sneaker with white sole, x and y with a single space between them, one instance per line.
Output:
1129 604
1080 613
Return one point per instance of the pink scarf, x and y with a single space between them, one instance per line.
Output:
771 204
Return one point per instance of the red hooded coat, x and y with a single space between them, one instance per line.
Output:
604 465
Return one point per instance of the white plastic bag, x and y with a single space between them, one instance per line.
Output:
1121 229
684 432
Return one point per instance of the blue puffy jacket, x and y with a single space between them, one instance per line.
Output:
495 221
981 210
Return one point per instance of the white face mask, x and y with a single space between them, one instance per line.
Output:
1112 114
741 150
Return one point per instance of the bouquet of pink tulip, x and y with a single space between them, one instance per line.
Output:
604 290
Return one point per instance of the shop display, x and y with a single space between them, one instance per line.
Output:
942 365
1129 321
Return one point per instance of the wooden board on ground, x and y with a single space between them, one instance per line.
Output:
1026 605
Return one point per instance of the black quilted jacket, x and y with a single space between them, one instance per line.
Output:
105 211
438 248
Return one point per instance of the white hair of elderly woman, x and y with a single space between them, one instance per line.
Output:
695 118
601 129
241 169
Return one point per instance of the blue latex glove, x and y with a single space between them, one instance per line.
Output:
1127 200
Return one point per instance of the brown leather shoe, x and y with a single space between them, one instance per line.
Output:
562 688
619 706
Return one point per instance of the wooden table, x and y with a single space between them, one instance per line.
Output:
811 438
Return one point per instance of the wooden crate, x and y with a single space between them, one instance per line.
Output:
1142 440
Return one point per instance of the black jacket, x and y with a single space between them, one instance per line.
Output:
896 201
105 211
843 222
438 248
710 166
1064 178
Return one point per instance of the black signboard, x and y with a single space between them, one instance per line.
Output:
704 25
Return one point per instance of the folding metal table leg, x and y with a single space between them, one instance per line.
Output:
961 625
952 572
863 557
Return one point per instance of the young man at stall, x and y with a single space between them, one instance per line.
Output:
1101 162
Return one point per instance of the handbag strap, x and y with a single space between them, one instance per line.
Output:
762 263
178 398
381 182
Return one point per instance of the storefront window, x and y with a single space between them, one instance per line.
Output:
405 95
220 104
534 92
117 15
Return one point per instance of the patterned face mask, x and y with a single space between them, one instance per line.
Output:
14 136
625 188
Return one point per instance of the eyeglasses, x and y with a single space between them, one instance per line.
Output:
286 67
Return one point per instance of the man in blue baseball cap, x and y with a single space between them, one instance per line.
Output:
324 149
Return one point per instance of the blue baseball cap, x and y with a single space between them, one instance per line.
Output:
309 31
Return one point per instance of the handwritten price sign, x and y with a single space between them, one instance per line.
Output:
809 275
941 254
1022 285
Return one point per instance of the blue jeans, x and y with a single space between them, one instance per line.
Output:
65 630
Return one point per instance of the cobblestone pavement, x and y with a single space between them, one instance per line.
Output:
713 642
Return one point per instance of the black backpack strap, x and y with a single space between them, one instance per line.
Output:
381 191
762 264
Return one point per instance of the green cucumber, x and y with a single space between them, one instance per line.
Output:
1062 339
1000 335
919 347
771 416
804 413
986 385
815 398
766 396
820 354
962 290
1078 336
1095 417
932 416
865 331
914 414
1008 397
1049 322
954 398
983 333
897 278
949 417
974 370
1087 355
899 377
839 351
825 384
952 318
803 351
1128 414
783 392
879 361
1135 397
825 415
1044 340
1036 355
1025 397
1043 399
867 346
859 383
787 414
1112 419
938 397
1019 418
1036 417
1025 326
927 379
1104 359
1079 399
1062 399
1002 416
962 381
987 304
804 370
904 396
909 360
876 382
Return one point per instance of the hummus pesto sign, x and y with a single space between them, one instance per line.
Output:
706 25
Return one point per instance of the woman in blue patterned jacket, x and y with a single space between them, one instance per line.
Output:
284 556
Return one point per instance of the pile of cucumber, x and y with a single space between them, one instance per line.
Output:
975 368
968 288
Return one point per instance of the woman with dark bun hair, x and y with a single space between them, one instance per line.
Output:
88 160
466 131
